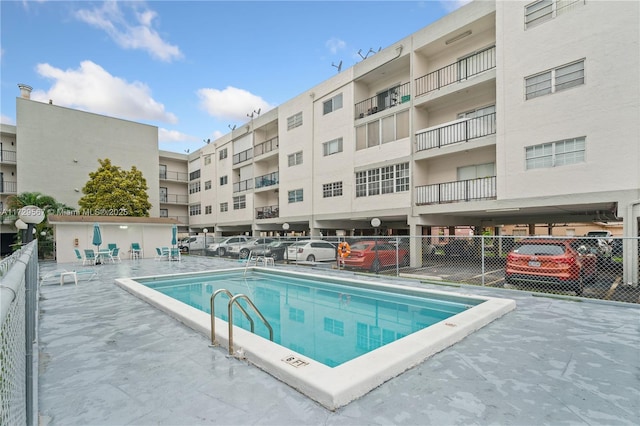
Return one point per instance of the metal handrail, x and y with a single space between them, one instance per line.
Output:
233 300
214 342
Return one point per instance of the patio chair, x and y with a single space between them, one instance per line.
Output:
112 246
136 251
89 257
79 256
161 253
175 254
115 255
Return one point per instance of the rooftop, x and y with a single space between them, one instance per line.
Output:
107 357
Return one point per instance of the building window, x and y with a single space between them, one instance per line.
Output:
387 129
239 202
332 104
207 210
207 159
477 171
207 185
224 180
194 175
195 210
223 154
163 170
543 10
224 207
163 212
295 196
295 159
294 121
555 80
554 154
194 187
333 189
332 147
383 180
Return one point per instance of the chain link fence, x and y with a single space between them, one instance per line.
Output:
598 268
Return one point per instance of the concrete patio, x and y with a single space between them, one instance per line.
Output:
107 358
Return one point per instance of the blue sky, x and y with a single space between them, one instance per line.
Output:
191 68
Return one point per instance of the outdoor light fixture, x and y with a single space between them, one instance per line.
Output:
31 215
458 37
375 222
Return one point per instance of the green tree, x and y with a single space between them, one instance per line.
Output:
114 191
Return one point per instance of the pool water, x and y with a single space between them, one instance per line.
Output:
320 318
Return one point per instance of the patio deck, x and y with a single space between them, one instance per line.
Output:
107 358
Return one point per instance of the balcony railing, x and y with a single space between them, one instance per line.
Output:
267 146
243 185
458 71
174 199
7 156
176 176
462 190
8 187
243 156
267 212
461 131
267 180
384 100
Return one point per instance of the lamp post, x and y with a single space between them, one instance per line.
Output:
285 228
375 222
22 227
31 215
205 230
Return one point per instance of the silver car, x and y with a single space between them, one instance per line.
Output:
221 248
242 249
311 251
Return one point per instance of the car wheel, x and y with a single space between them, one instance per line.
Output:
222 251
375 266
311 258
244 253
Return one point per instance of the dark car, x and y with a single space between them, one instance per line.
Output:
275 249
566 263
458 247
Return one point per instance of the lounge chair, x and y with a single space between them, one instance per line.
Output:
136 251
89 257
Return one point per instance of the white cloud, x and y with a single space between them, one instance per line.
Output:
93 89
335 44
7 120
165 135
137 35
451 5
231 103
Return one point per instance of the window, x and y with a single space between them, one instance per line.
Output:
207 159
334 326
332 189
383 180
163 212
239 202
295 159
554 154
224 207
223 154
194 210
207 210
207 185
476 171
194 175
544 10
332 104
224 180
561 78
295 196
387 129
294 121
332 147
296 315
194 187
163 170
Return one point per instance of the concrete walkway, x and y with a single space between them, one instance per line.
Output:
107 358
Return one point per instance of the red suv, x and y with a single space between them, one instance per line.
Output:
563 262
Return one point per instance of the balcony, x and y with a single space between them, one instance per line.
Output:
269 179
174 176
7 156
458 71
459 131
268 212
452 192
243 156
8 187
174 199
243 185
265 147
384 100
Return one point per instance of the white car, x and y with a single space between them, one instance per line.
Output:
221 248
311 251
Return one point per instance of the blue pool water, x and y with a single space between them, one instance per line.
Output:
329 320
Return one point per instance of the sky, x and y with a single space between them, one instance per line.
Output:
194 69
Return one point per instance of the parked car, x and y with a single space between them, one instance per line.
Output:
220 248
563 262
311 251
375 255
195 242
275 249
241 250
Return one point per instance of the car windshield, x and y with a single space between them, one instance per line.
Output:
541 249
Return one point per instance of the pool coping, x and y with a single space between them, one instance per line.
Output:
337 386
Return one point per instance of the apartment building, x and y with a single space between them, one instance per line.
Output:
500 113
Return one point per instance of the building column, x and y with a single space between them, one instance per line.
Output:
630 243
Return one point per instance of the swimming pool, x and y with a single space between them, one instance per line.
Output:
335 339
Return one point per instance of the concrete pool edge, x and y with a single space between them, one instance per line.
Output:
334 387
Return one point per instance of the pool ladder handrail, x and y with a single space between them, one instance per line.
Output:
234 300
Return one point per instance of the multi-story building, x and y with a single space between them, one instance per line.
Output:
500 113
